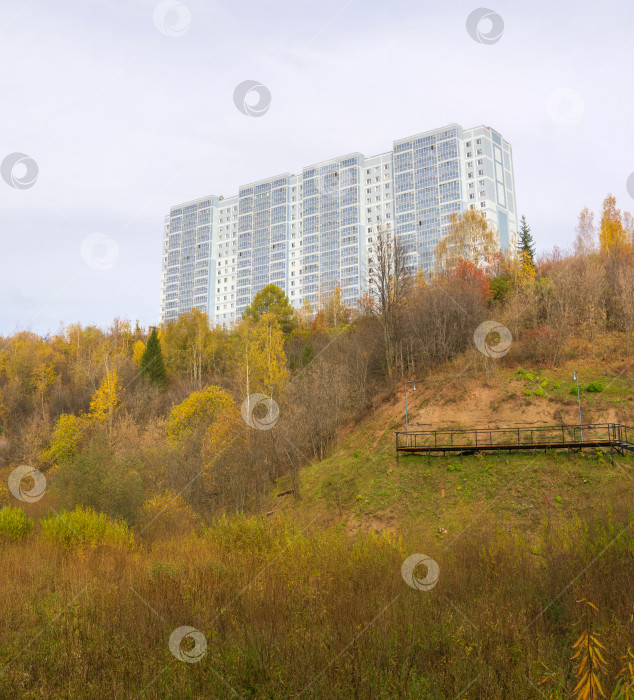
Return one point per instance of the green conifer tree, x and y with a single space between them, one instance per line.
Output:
526 244
152 364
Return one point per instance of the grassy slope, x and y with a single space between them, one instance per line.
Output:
364 485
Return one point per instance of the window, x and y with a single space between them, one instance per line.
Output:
479 152
482 193
480 161
472 196
468 144
469 154
478 142
483 204
480 172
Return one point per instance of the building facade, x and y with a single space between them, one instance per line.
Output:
311 232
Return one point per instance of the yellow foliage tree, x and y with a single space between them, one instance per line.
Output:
305 315
137 351
259 360
185 344
199 408
470 237
65 438
227 430
270 355
526 269
612 234
334 310
106 398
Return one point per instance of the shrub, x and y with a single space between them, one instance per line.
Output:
166 514
14 523
539 391
97 478
84 527
528 392
249 533
556 385
544 384
594 387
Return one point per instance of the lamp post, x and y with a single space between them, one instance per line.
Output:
410 381
575 378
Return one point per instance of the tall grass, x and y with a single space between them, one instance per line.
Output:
14 524
293 610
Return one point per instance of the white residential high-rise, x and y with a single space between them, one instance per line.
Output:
311 232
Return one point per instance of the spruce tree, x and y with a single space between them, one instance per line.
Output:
152 364
526 244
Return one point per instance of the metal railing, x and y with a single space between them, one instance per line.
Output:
534 437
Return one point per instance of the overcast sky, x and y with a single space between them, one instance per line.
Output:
126 107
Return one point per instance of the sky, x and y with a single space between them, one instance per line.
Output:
123 108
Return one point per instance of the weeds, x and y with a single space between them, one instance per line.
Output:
14 524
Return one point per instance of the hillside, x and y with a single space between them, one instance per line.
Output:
201 512
310 600
364 485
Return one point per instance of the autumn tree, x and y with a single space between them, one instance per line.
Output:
470 236
137 351
305 315
334 311
586 238
272 300
628 225
625 292
106 399
185 343
259 360
388 282
65 439
469 274
152 364
198 410
612 233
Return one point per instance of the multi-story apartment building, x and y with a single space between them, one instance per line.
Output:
310 232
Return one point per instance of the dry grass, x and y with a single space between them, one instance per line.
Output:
291 610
